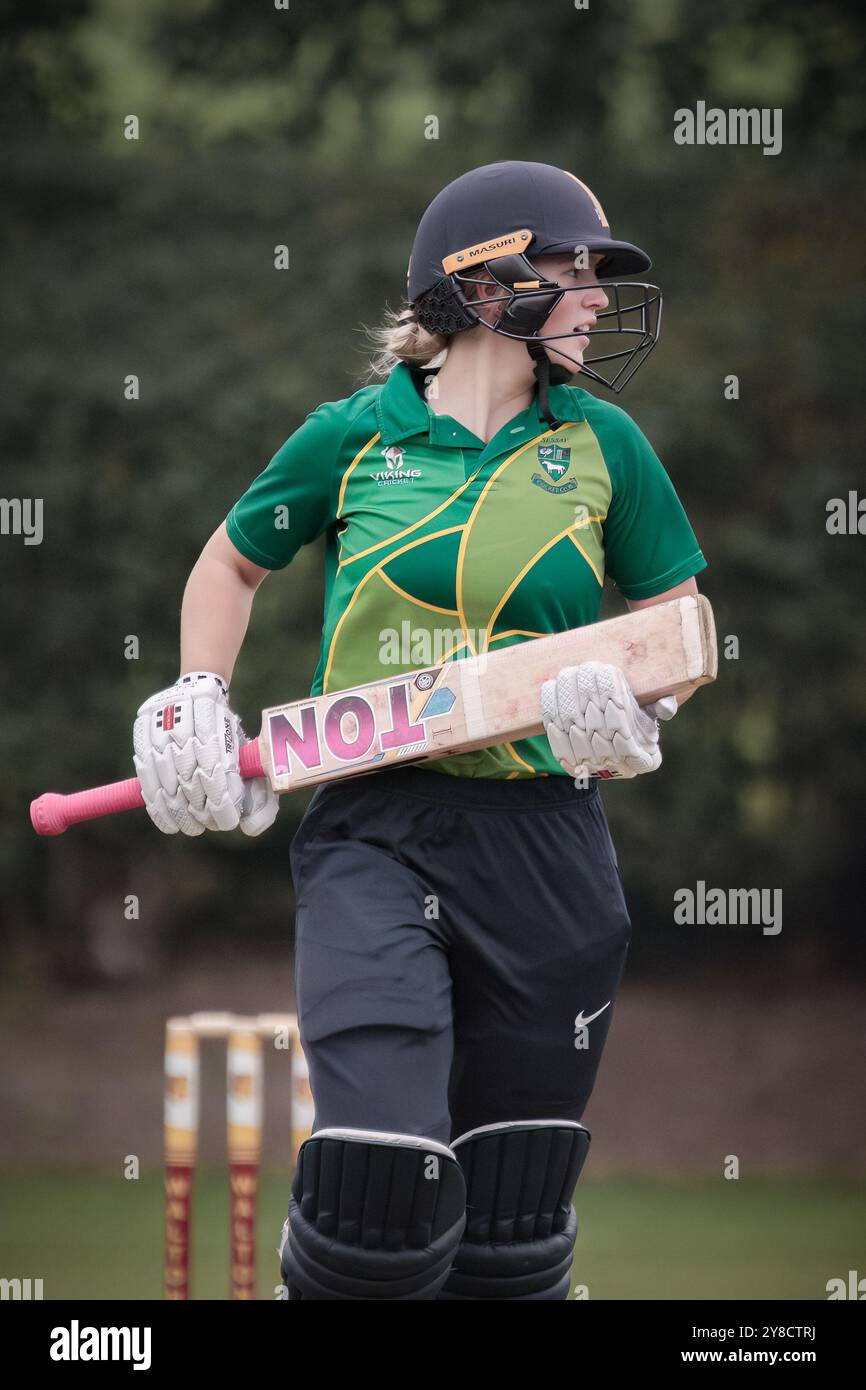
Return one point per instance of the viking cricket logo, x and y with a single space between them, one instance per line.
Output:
396 472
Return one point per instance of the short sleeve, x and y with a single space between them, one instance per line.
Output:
649 543
292 501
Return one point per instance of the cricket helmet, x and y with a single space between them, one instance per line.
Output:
499 217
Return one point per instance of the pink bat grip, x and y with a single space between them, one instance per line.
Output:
51 813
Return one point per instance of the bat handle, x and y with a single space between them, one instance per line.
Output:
250 760
51 813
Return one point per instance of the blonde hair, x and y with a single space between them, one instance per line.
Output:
400 338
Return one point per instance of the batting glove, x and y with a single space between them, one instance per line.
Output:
187 743
595 726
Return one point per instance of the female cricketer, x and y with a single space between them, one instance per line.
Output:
461 925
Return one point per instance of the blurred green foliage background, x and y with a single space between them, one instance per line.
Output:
308 126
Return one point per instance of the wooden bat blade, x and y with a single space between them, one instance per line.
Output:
666 649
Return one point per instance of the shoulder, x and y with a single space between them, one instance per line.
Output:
331 432
621 441
340 415
603 416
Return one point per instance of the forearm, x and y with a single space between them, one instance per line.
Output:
217 602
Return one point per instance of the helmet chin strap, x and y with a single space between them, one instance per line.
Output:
547 374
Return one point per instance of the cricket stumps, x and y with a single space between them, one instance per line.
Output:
245 1038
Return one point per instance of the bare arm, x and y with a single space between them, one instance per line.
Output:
216 608
688 586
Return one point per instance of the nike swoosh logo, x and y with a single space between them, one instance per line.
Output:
581 1022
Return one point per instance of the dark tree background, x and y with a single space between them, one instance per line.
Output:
308 126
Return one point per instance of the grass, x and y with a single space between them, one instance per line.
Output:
90 1235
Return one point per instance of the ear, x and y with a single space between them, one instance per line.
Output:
478 287
488 290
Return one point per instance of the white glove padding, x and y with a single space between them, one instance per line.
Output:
595 726
187 743
665 708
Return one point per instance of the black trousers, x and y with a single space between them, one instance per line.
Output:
459 946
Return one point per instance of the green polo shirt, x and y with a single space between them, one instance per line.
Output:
438 546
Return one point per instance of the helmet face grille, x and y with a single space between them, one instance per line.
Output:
625 333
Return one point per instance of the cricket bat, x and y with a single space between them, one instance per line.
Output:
495 697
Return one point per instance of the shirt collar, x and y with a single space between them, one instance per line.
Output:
402 412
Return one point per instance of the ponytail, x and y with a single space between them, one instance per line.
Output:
400 338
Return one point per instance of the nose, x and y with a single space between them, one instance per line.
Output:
595 298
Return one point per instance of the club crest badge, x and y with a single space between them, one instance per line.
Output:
555 459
